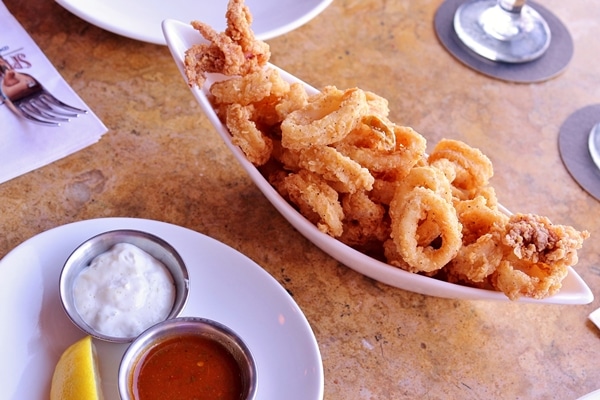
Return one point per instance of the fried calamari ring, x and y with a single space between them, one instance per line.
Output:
476 261
426 177
536 280
482 251
293 100
390 165
489 194
250 88
383 191
378 106
478 219
472 169
256 145
289 159
364 220
315 197
410 211
428 232
345 174
392 256
327 118
373 132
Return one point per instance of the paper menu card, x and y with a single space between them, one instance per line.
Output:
24 145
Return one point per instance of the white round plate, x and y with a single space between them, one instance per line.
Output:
595 395
141 19
224 285
180 37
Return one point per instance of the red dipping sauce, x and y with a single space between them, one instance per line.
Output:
188 367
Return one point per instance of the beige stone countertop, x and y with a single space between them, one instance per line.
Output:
162 160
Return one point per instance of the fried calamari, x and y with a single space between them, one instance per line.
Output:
233 52
361 178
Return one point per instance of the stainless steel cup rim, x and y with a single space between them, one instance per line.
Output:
81 257
188 325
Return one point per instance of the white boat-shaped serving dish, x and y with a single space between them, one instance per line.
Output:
180 37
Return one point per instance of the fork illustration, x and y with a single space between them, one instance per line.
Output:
28 98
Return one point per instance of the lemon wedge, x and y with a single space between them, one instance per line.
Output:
76 373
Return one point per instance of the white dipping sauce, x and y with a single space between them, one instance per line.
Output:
124 291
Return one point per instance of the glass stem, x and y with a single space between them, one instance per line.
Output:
512 6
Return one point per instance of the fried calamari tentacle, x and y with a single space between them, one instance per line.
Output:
315 199
411 210
255 144
537 255
364 220
209 57
472 169
233 52
327 118
294 99
535 239
239 21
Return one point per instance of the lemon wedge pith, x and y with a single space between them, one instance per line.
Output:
76 374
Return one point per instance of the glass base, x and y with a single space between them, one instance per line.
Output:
501 35
594 144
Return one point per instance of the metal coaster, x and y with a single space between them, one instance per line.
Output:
552 63
573 148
